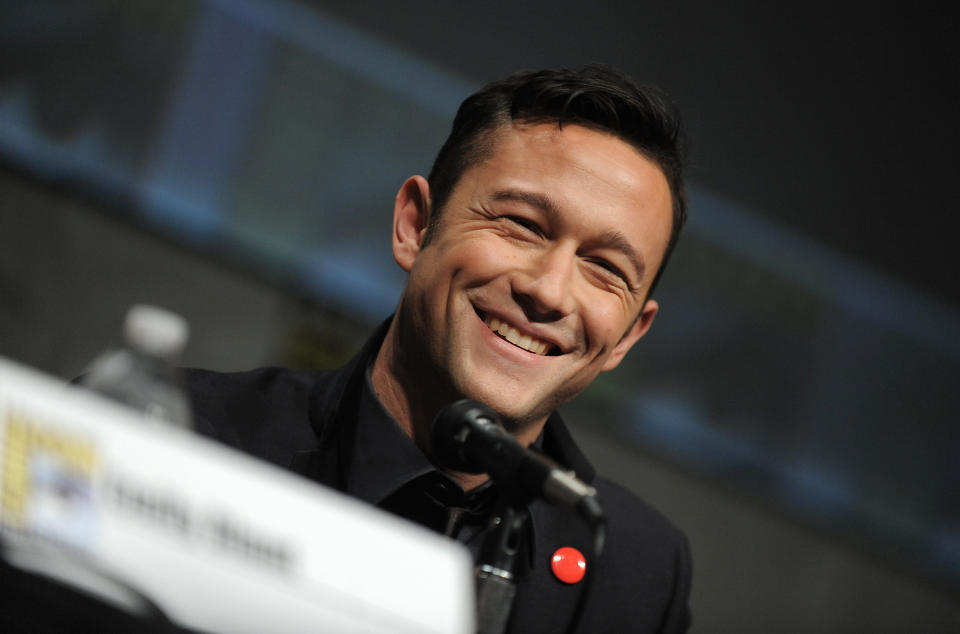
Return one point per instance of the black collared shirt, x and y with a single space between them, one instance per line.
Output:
388 470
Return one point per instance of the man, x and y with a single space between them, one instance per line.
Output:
531 252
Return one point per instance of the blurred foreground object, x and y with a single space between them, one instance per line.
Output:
186 532
141 374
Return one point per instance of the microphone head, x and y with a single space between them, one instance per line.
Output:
451 431
467 436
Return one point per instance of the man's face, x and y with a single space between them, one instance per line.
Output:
537 276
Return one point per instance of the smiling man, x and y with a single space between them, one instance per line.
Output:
532 251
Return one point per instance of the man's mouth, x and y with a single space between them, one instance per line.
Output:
511 334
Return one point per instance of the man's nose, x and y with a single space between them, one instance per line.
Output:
544 286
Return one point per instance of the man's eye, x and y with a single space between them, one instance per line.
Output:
612 269
526 224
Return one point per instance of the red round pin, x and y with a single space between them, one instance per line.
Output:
568 564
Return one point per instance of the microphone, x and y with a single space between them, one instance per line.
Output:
467 436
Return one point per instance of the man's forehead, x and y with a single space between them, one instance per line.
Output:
541 148
553 135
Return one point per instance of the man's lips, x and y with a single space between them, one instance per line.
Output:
521 340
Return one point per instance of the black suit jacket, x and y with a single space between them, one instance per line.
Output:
303 421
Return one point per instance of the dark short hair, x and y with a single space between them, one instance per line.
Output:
596 97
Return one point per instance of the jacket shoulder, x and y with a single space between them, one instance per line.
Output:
645 547
625 509
265 412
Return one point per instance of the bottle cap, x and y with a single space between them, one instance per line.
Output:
155 331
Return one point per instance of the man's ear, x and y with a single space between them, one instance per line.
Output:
411 213
633 335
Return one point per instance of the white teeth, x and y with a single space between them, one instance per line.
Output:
512 335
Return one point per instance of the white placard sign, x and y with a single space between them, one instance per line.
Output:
216 540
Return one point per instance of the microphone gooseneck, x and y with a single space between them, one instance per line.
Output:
467 436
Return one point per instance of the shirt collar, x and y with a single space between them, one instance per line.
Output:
383 456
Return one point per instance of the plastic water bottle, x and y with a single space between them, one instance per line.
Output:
142 374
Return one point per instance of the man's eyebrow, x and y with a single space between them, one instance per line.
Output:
534 200
612 239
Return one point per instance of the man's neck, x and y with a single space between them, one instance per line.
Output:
395 396
413 400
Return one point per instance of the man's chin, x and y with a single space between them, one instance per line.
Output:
521 403
515 414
